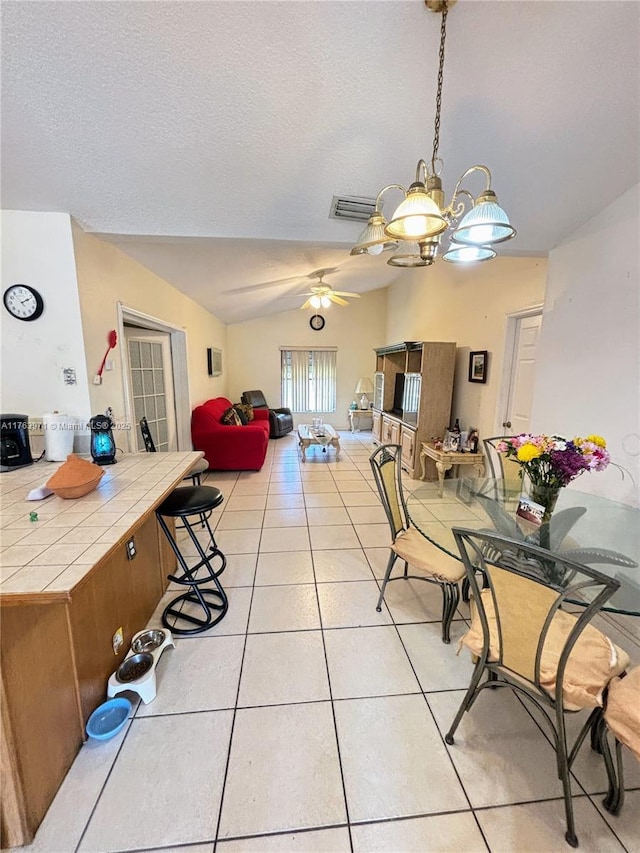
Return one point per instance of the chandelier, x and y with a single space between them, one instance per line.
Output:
475 225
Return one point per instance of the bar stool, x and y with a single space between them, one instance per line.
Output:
197 469
212 604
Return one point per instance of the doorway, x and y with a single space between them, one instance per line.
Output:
516 396
155 380
151 385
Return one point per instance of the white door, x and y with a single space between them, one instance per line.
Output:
151 386
521 377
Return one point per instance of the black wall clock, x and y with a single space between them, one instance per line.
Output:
23 302
317 322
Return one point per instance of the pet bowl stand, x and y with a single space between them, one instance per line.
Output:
145 686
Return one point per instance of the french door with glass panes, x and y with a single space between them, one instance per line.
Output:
151 386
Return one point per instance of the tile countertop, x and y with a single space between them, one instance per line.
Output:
51 555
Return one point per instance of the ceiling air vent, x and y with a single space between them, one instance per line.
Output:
355 208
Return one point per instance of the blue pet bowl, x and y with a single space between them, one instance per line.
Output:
109 718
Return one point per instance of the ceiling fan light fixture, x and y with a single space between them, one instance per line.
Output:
372 239
485 224
325 302
315 301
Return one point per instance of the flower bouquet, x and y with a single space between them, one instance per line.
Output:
551 462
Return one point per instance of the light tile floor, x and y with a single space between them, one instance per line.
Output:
305 721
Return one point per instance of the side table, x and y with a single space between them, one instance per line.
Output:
356 415
446 459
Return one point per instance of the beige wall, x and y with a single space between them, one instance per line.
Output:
588 371
468 305
37 250
254 348
107 276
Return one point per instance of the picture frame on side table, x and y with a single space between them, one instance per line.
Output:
478 366
471 441
452 441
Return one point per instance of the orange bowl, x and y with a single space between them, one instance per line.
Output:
76 478
77 491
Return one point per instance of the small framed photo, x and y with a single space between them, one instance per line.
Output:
478 366
452 441
530 511
470 440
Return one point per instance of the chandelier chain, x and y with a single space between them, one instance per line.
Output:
436 137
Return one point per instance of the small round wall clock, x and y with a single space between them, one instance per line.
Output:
317 322
23 302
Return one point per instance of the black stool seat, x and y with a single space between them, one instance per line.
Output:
190 500
210 602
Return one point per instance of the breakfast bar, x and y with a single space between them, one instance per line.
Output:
77 581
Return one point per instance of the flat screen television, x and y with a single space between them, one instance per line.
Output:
398 394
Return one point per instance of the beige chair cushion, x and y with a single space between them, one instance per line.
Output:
593 662
412 546
199 468
623 710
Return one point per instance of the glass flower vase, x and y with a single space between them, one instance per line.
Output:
546 496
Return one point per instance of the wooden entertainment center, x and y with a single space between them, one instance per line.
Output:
420 375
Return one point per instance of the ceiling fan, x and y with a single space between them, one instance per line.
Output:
298 279
321 295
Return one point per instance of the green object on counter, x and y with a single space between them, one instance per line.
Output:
33 516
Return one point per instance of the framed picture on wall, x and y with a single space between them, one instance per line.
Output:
478 366
214 361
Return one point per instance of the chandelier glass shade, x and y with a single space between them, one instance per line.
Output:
485 223
458 253
417 217
473 224
372 239
421 254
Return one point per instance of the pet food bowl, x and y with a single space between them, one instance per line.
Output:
137 672
147 641
133 668
109 718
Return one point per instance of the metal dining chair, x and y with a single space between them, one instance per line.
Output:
621 717
496 460
522 637
408 543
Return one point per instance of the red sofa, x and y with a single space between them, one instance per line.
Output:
229 448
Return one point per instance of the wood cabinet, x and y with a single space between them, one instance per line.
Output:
57 655
408 444
41 726
119 593
390 430
413 391
376 426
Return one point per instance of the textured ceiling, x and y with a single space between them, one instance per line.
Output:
238 121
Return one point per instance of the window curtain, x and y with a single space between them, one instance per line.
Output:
309 380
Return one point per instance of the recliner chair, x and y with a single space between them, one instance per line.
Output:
280 420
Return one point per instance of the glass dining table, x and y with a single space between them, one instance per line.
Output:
586 528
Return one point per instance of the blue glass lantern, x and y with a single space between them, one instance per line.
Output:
103 447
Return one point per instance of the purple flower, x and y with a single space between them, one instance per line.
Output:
567 464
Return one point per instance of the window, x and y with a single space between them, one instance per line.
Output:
309 380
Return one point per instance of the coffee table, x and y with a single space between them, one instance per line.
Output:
326 436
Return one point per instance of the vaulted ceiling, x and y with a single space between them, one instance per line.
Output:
207 139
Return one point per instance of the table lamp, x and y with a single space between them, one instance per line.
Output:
364 387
